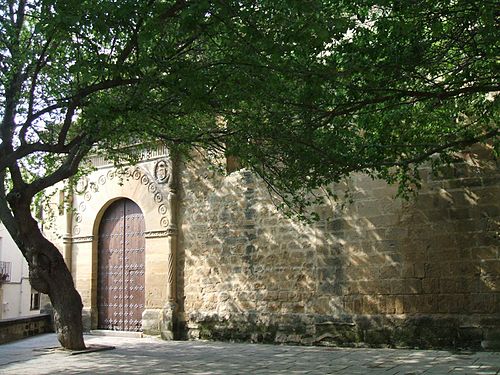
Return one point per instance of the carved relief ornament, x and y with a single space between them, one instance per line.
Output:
162 171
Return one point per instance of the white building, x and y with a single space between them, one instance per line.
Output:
17 298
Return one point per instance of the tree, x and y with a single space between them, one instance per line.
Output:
303 92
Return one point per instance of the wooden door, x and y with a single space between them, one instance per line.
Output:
121 267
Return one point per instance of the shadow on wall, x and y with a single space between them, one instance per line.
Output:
381 272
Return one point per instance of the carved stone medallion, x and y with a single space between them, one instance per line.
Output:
162 171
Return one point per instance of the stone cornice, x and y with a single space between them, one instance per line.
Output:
168 232
79 239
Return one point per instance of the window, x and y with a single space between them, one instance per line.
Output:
35 300
5 268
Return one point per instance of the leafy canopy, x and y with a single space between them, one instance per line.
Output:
303 92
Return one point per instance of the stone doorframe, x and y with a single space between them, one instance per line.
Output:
152 185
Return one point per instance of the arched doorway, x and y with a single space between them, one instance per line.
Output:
120 292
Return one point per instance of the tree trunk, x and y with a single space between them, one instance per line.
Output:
51 276
48 272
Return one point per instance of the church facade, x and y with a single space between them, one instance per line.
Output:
173 249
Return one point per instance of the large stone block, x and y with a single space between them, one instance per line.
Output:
152 320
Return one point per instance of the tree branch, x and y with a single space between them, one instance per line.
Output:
31 148
66 170
40 63
132 42
5 213
173 10
441 95
68 121
461 143
80 95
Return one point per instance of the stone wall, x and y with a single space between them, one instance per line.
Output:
18 328
379 272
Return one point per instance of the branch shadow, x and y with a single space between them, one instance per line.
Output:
381 272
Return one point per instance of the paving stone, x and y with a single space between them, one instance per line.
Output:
154 356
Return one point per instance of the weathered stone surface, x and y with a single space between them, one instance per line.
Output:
87 319
151 319
18 328
423 273
168 321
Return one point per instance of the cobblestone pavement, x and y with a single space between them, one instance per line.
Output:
37 355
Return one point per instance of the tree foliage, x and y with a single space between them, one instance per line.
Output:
303 92
316 88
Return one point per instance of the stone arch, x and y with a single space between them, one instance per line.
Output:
134 184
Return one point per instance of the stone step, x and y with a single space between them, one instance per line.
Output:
104 332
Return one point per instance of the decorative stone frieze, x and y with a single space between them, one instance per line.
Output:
81 185
89 186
